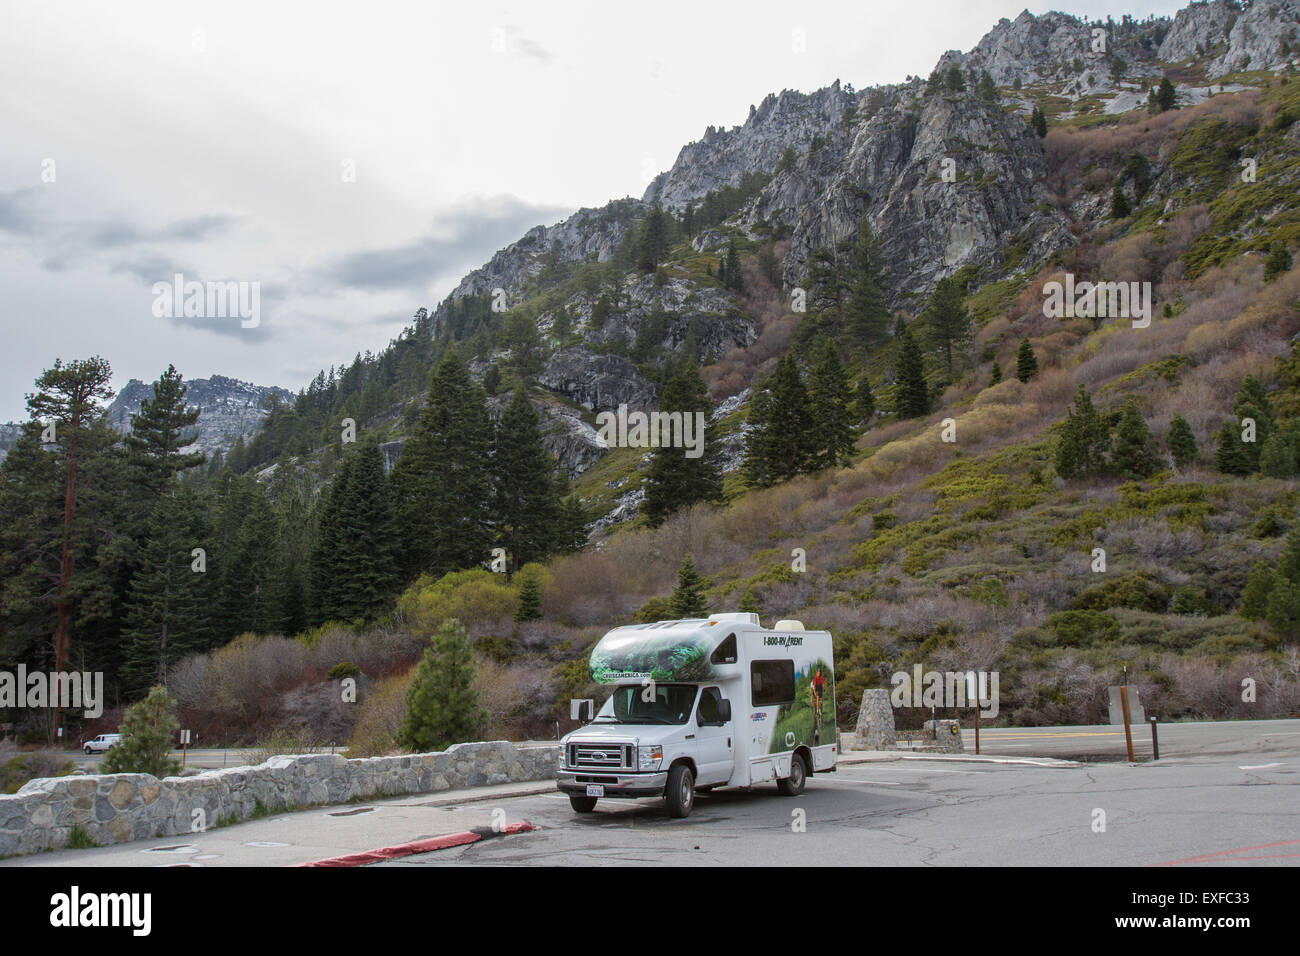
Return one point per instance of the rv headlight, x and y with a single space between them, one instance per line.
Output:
648 758
559 757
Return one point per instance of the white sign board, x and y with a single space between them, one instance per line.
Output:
1135 713
575 704
185 737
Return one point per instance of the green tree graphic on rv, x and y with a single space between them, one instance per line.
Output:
662 656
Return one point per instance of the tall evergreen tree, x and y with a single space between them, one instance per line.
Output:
911 395
652 244
1026 361
674 480
1230 454
1135 451
947 321
1083 448
442 704
867 312
687 599
1181 441
159 432
530 599
780 444
442 483
830 395
171 598
526 504
735 280
1252 403
69 398
865 401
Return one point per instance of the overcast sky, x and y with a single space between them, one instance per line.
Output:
357 159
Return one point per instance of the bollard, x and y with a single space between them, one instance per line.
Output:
1155 741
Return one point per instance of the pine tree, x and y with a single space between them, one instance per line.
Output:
867 312
526 504
1279 261
674 480
1254 596
947 322
1083 448
1119 206
735 281
865 401
170 604
158 433
1038 120
148 736
652 244
987 90
68 397
530 599
911 395
996 376
779 442
1277 458
1252 403
1026 361
442 483
1181 441
442 704
687 599
1166 95
571 533
1135 454
1230 455
830 395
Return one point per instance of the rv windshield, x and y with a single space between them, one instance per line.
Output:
635 704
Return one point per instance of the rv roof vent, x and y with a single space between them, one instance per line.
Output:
788 626
741 617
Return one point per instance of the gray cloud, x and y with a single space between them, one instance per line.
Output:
466 236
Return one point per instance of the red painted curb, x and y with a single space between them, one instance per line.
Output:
422 846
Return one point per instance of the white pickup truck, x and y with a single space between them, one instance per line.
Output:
101 743
704 703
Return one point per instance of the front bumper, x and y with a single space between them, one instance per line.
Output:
615 784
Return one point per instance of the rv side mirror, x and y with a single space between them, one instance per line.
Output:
724 711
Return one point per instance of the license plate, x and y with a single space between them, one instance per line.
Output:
595 790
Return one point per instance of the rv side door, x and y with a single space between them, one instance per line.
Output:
714 737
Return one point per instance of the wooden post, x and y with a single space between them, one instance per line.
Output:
1128 732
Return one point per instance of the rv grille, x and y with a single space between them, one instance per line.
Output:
601 757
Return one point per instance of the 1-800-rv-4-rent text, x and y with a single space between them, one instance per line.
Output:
700 704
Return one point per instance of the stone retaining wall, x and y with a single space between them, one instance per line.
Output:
117 808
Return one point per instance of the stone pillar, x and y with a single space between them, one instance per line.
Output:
948 740
875 729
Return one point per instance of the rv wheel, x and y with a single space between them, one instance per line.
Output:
582 804
679 795
793 785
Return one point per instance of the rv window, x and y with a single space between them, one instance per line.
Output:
725 652
709 712
772 683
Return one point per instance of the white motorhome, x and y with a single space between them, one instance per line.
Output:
704 703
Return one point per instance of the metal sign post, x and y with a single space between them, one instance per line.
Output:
1155 740
972 695
185 743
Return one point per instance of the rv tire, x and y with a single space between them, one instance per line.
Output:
679 795
793 785
582 804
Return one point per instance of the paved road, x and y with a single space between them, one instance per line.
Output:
1188 738
1221 809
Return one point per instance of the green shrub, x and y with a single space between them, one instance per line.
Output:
1083 628
1138 590
149 734
343 669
